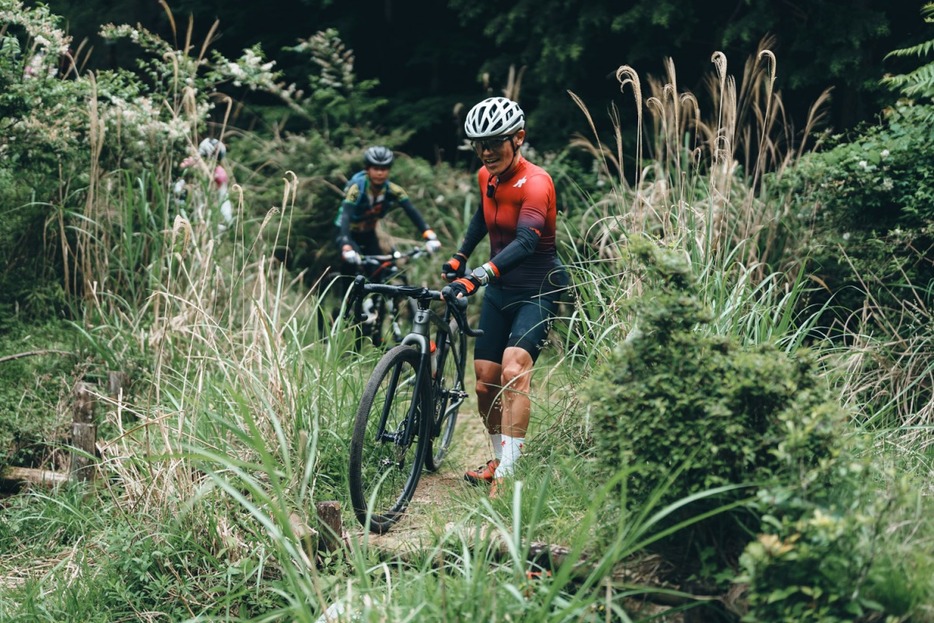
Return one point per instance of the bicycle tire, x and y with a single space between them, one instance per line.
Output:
384 472
448 389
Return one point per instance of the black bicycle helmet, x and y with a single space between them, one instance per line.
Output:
494 116
378 156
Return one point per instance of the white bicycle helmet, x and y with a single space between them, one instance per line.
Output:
378 156
494 116
210 148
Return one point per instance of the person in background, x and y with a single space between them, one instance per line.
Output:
209 159
524 278
368 197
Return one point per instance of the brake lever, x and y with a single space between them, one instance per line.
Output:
459 310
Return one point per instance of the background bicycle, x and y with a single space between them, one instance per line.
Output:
408 410
381 315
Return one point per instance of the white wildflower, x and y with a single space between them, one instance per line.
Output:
862 164
846 235
885 153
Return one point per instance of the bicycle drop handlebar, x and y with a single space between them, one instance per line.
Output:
395 255
372 262
458 306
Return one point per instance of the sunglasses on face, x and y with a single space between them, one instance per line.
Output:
492 144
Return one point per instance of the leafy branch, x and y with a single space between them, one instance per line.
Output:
920 81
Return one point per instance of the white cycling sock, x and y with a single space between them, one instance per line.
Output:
512 448
497 441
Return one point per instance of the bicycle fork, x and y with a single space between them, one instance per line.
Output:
403 436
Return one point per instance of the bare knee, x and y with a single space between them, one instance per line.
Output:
486 393
517 376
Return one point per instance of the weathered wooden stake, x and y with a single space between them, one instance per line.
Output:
329 519
83 434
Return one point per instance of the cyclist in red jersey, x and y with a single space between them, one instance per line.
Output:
524 278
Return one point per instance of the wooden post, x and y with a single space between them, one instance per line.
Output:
83 434
329 520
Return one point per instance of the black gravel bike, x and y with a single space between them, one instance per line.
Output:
408 410
382 316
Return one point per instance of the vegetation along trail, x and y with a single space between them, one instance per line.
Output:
732 417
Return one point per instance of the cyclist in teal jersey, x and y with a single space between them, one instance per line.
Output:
368 197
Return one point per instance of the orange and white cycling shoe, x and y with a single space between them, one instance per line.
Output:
483 474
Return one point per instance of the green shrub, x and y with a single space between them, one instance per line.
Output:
871 199
671 400
847 550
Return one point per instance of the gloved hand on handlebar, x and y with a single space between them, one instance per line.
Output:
454 267
432 244
350 255
480 276
465 286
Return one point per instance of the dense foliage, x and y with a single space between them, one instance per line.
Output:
538 50
823 557
222 393
872 207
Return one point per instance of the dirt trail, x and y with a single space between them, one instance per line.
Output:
470 448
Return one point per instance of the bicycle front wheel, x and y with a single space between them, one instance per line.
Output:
448 384
389 440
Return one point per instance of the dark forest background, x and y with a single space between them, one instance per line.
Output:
429 57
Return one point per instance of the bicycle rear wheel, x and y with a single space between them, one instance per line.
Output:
389 440
448 383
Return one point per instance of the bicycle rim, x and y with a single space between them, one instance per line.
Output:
449 390
386 456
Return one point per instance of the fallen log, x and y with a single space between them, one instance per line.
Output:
13 478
